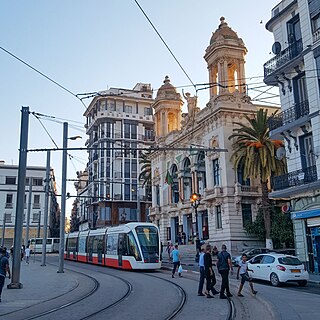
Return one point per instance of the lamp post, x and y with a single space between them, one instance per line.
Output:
64 194
195 202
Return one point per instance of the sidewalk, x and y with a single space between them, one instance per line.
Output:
39 284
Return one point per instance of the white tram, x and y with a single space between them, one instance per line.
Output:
127 246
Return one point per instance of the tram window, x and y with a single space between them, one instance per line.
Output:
82 244
72 244
90 244
112 244
100 244
38 241
148 239
132 247
95 245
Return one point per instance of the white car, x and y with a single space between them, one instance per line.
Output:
278 268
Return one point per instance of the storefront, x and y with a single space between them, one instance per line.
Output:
307 237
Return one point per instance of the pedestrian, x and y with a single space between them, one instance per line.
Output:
27 253
169 250
202 273
11 252
209 273
176 260
243 271
179 238
215 251
7 253
22 252
4 269
184 237
224 265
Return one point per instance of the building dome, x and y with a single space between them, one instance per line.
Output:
224 32
167 91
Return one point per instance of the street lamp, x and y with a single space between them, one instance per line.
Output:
195 202
64 193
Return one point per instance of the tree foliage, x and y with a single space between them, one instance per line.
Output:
255 152
281 228
145 174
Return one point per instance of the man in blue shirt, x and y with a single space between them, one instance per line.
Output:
224 266
202 273
4 268
176 260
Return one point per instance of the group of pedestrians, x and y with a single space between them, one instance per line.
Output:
224 266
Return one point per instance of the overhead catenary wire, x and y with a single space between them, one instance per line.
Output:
157 32
42 74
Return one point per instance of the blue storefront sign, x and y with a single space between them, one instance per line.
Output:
305 214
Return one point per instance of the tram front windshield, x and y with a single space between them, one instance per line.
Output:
149 242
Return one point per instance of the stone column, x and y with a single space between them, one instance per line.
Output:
220 80
225 75
242 76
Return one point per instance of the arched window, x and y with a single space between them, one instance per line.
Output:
187 181
175 185
201 172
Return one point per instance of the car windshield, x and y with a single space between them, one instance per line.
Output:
290 261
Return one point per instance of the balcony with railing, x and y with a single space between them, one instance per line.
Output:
281 59
295 178
316 35
299 110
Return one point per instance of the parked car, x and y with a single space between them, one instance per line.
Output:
278 268
290 252
251 252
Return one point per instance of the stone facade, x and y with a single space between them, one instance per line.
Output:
295 67
227 201
8 198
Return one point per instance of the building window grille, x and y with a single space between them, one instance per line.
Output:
246 214
11 180
216 172
218 217
9 201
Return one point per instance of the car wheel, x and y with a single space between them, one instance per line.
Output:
274 280
302 283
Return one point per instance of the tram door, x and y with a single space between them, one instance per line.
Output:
90 249
120 248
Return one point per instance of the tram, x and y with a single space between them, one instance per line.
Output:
131 246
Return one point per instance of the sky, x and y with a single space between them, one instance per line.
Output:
93 45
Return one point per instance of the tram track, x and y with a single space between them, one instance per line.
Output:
183 299
76 301
231 306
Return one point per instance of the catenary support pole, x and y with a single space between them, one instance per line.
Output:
16 263
3 230
46 210
28 212
138 205
63 196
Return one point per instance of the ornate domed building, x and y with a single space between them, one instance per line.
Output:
228 202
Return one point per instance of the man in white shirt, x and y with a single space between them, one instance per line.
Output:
27 253
243 271
202 273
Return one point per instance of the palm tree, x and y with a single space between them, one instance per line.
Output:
254 151
145 173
